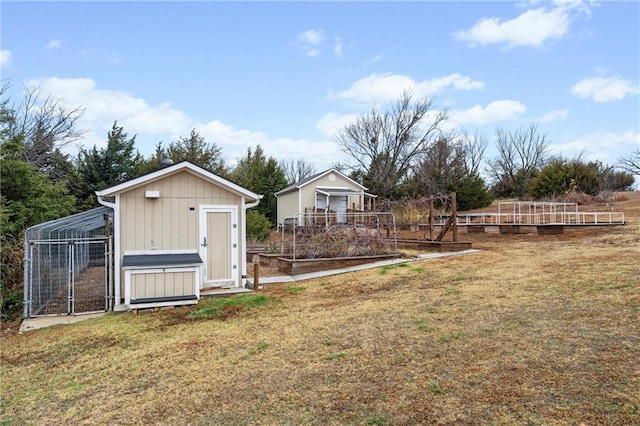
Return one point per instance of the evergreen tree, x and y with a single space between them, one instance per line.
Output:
263 176
197 151
105 167
28 196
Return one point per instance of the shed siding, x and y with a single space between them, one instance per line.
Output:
169 222
308 192
287 205
162 284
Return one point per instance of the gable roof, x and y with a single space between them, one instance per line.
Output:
176 168
310 179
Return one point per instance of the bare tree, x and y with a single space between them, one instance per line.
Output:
386 144
520 153
474 148
442 164
631 163
296 170
44 125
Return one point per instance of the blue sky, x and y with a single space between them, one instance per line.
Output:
285 75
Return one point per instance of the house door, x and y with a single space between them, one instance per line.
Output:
219 246
339 203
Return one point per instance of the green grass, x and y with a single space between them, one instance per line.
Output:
387 268
216 307
376 420
337 355
451 337
295 290
434 387
421 324
261 347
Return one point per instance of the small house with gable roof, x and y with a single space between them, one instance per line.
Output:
328 191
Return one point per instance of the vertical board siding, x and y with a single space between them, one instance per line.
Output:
162 284
308 192
167 223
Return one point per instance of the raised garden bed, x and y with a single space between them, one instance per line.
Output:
302 266
439 246
289 266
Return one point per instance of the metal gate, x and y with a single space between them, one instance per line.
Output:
66 277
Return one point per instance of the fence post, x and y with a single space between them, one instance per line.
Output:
454 214
256 276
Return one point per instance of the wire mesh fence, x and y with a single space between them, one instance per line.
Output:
326 235
68 265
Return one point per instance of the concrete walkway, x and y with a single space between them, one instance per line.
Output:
36 323
30 324
319 274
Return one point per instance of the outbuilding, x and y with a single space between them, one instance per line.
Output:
178 232
328 191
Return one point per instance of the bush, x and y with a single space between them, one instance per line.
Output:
258 226
11 278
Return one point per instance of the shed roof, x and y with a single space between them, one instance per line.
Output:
310 179
160 260
338 191
176 168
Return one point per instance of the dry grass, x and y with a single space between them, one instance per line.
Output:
533 330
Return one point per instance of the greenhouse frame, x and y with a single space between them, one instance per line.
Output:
68 265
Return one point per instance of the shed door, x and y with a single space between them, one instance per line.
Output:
219 246
340 204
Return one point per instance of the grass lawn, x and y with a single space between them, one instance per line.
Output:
532 330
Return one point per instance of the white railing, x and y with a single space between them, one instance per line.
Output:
559 218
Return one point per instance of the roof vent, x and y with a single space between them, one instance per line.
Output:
165 162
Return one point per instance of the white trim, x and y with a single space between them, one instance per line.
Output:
163 304
155 270
233 210
336 187
168 251
243 223
332 170
318 176
117 296
167 171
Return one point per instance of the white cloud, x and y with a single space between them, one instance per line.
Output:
534 27
310 41
560 114
386 87
102 107
109 57
53 44
312 37
154 123
373 60
5 57
337 47
604 147
332 122
494 112
236 141
605 89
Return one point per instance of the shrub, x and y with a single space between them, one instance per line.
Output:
258 226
